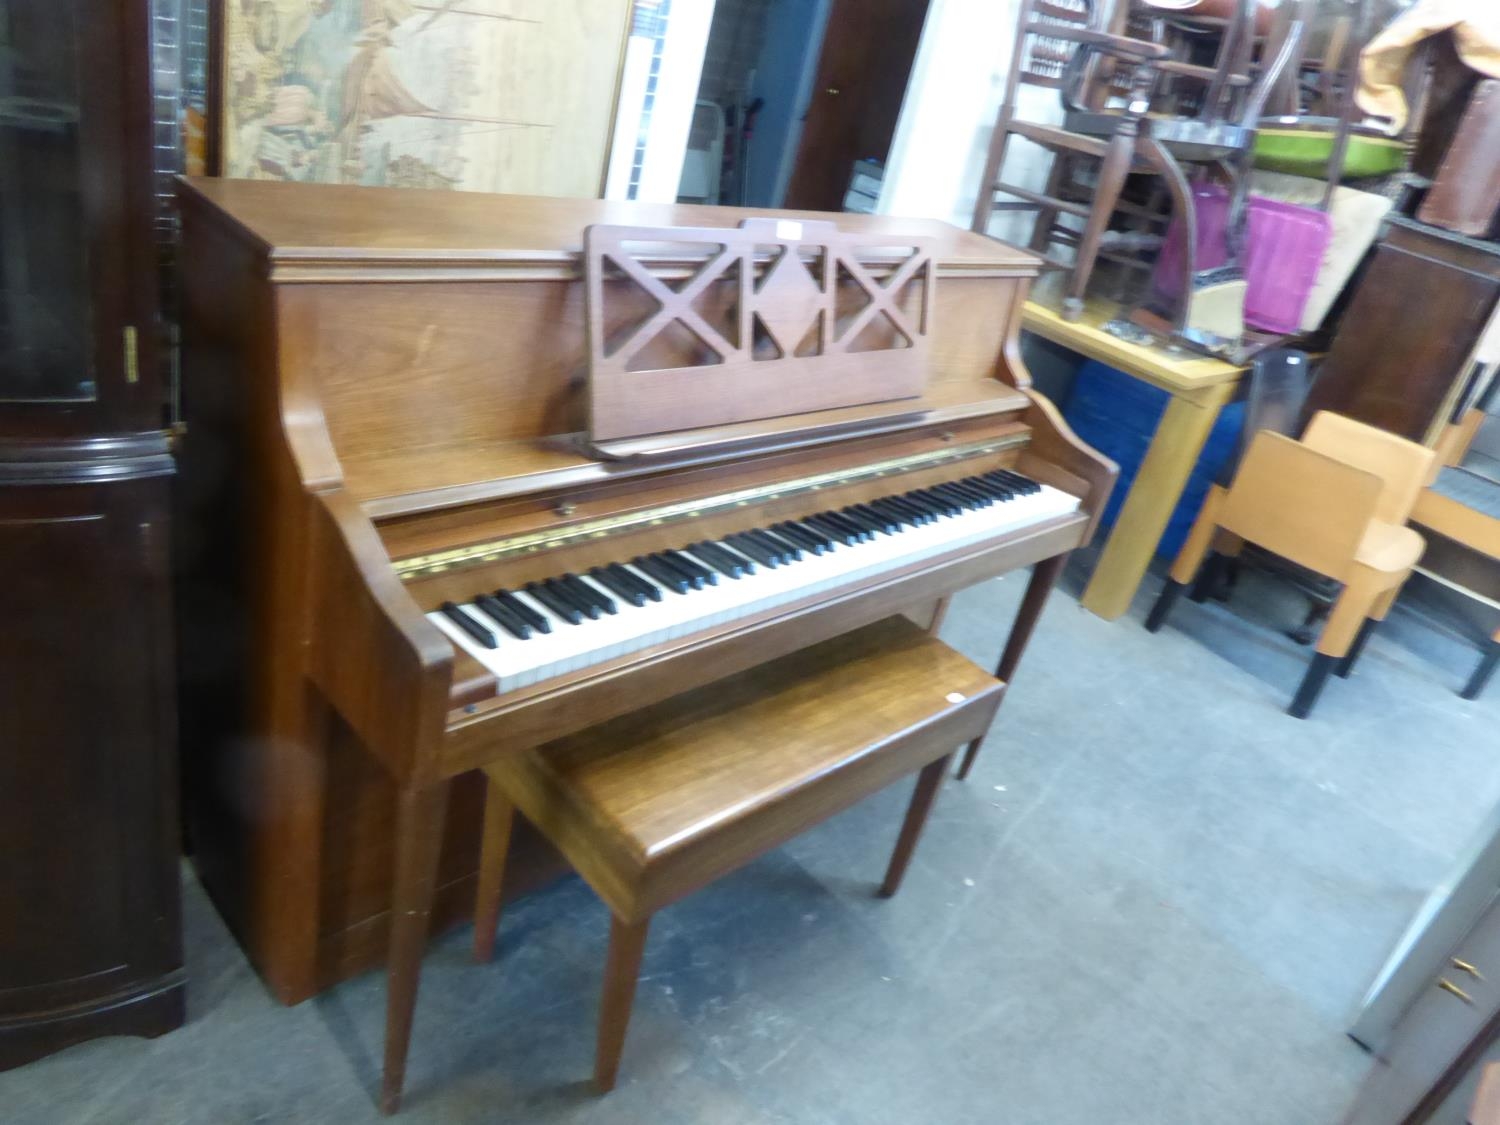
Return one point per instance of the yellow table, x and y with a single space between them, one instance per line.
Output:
1199 387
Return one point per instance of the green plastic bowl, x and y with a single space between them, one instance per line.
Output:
1306 150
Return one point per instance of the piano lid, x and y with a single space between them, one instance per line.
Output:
319 232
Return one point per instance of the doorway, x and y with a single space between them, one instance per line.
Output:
794 96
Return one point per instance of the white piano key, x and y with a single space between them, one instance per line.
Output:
569 648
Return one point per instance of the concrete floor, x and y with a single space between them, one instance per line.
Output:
1157 900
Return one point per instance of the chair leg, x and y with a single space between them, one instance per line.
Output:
1312 685
1363 591
1170 592
1346 665
419 840
1118 158
929 781
1208 575
1484 671
499 815
627 940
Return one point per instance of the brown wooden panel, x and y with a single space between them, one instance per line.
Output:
87 781
1406 335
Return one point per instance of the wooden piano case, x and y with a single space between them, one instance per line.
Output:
387 403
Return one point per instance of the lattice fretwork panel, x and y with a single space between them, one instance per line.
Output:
699 327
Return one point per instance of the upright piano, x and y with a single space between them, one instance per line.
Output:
393 456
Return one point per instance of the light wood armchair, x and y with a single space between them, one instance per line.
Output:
1335 503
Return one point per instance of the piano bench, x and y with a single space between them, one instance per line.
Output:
660 802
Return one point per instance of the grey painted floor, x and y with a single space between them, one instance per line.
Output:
1157 900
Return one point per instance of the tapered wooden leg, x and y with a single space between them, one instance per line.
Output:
627 940
499 814
929 781
1043 577
419 840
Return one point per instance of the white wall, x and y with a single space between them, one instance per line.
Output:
937 155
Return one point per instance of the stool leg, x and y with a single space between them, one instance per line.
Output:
419 840
1208 576
1346 665
929 781
499 814
1486 669
627 940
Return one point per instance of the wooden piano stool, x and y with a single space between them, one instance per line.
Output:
659 803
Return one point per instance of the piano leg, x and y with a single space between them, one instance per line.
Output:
419 840
499 816
1043 577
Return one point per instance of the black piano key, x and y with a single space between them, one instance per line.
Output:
617 586
559 605
693 566
944 505
590 591
747 546
886 510
507 620
523 611
695 580
998 491
578 599
803 537
662 573
848 526
789 551
630 578
1023 484
913 514
888 524
963 500
926 503
725 562
839 532
980 499
469 625
999 483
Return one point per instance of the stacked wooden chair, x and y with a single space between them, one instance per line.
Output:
1133 106
1335 503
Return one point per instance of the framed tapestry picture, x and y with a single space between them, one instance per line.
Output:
476 95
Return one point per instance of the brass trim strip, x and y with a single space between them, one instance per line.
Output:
424 566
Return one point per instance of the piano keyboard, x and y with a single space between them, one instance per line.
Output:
568 623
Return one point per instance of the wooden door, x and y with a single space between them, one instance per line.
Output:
867 55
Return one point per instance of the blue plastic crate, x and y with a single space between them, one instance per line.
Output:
1118 414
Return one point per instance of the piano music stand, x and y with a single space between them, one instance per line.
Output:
771 318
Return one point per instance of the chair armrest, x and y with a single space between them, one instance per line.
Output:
1120 45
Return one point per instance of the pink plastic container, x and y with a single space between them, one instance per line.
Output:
1284 248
